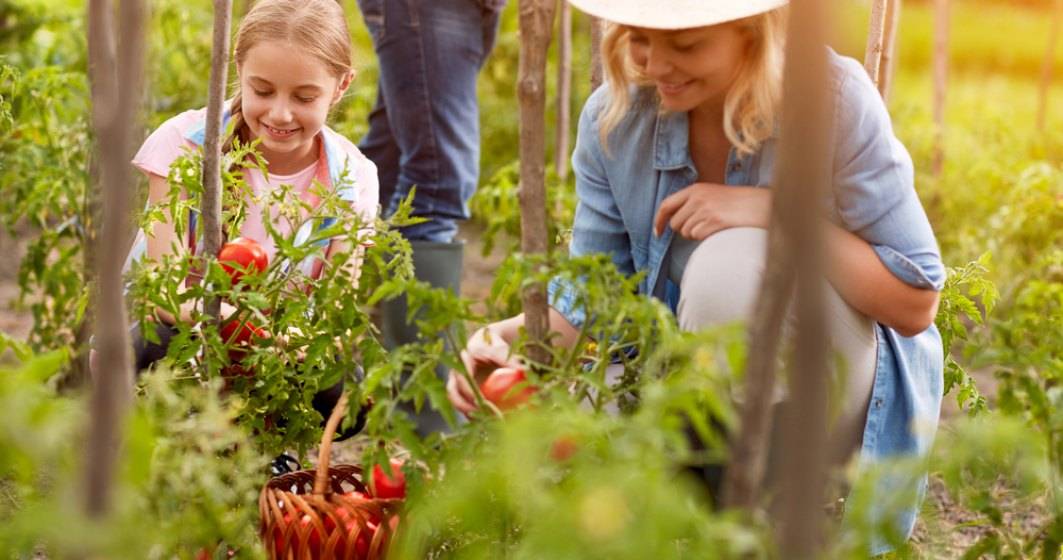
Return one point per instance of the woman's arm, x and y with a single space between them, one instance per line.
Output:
853 267
864 282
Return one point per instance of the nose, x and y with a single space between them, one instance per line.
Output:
280 112
657 63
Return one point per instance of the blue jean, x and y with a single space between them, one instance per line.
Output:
424 131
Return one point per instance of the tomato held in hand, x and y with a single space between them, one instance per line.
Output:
387 487
242 256
507 388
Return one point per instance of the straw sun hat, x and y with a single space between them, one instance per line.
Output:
674 14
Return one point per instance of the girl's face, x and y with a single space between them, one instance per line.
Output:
286 97
690 67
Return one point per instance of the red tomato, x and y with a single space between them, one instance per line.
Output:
563 448
364 539
385 487
278 535
239 336
242 255
501 388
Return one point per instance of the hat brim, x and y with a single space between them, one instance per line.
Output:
675 14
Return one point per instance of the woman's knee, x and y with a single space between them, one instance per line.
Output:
722 278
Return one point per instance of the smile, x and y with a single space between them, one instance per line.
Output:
672 89
279 132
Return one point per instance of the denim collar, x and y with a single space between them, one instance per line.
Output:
671 141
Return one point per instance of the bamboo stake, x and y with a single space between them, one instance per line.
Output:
803 172
889 48
564 92
876 28
1047 65
596 52
116 101
941 70
536 19
210 208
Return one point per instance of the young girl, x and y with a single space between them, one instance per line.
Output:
293 59
673 162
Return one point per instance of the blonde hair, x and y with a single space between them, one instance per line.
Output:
318 27
752 103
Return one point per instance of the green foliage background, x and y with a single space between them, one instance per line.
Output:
997 208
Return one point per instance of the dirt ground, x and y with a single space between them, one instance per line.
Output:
945 530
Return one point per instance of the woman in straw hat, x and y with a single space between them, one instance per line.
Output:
673 161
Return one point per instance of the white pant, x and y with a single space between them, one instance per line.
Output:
720 285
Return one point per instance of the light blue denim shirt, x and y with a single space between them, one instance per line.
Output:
872 195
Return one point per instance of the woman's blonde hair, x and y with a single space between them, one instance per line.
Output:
752 103
318 27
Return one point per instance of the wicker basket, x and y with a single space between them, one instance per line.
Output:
312 514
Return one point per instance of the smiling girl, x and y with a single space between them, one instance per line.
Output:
674 161
293 60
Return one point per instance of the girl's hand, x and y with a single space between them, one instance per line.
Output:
703 209
485 352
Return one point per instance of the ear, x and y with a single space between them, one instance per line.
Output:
341 87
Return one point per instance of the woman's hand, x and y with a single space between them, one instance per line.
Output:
485 352
703 209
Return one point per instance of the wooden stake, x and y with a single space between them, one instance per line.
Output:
536 21
941 71
1047 65
876 28
210 208
889 48
564 91
117 83
803 172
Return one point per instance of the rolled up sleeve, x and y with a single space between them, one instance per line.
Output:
874 185
598 226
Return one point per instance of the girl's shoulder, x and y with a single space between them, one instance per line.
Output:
346 148
167 142
354 174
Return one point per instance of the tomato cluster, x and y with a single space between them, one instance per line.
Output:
239 257
348 515
360 527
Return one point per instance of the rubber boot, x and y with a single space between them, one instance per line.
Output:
439 264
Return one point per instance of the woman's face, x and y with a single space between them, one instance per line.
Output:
286 97
690 67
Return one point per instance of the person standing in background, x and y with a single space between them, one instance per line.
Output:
424 133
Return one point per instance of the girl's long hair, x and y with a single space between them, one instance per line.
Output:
317 27
752 103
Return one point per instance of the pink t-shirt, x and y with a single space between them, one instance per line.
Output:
169 141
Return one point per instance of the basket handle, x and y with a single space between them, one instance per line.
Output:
321 477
